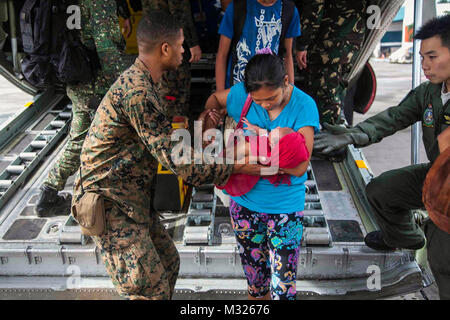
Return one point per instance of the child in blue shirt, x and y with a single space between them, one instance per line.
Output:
262 29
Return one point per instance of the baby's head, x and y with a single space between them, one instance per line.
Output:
276 134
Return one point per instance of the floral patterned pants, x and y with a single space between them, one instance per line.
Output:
269 246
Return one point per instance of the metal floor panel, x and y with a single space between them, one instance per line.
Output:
24 229
335 264
42 123
18 146
345 231
101 288
326 177
22 202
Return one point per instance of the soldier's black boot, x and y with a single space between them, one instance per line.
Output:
50 203
375 241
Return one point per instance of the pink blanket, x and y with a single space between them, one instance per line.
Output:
288 153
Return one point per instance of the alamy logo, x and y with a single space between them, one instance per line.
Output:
74 280
374 280
74 20
373 21
214 153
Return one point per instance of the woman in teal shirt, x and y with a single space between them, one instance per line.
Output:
267 220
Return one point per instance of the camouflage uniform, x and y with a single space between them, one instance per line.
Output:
129 135
176 83
332 34
99 30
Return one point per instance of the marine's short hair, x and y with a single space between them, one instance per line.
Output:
155 28
439 26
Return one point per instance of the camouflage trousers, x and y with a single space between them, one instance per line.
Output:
332 56
82 115
174 88
141 259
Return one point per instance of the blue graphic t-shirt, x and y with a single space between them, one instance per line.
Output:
262 29
301 111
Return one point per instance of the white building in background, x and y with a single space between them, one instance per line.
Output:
397 43
442 7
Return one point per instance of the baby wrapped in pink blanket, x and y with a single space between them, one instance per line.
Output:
285 149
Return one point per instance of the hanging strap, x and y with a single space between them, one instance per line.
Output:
244 112
81 182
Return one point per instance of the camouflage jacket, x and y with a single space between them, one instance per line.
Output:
129 135
100 30
327 16
181 9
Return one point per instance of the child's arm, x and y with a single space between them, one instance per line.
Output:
221 62
289 60
254 128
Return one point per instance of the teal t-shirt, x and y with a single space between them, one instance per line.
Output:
301 111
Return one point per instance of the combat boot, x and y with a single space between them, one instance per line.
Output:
50 203
374 240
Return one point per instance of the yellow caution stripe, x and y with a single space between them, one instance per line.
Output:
361 164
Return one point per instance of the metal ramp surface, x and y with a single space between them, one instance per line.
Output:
49 256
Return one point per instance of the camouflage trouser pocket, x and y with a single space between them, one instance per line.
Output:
137 272
137 258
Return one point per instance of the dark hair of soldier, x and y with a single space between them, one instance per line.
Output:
439 26
155 28
264 70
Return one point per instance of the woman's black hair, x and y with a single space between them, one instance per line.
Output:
264 70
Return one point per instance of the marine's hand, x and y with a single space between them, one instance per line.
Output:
196 54
252 169
211 118
127 27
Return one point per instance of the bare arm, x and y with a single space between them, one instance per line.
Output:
308 133
218 100
221 62
215 109
288 60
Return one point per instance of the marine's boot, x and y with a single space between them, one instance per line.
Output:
50 203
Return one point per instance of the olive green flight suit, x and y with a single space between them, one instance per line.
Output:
395 193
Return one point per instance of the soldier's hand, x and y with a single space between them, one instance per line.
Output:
337 137
301 57
196 54
127 28
211 118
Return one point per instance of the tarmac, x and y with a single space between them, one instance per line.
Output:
394 81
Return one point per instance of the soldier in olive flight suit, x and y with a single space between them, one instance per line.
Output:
129 135
394 193
99 31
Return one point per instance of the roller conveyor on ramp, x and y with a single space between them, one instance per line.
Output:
49 256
